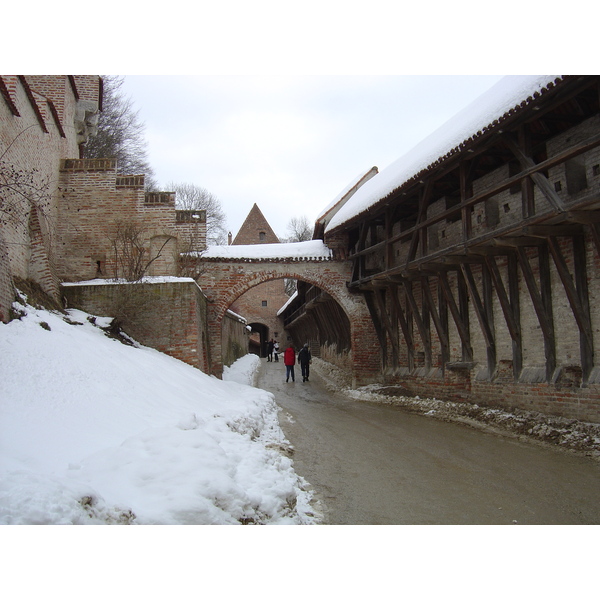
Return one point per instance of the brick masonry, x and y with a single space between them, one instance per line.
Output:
170 317
259 305
223 281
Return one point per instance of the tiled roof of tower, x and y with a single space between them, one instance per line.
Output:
253 226
486 113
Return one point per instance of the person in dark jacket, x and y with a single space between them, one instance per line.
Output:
270 351
289 360
304 359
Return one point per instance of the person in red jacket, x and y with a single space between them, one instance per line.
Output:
289 360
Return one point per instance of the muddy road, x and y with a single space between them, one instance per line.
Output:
377 464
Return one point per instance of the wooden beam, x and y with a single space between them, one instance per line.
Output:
483 314
461 324
517 241
441 331
422 213
423 332
398 313
510 308
578 298
513 326
466 191
544 231
585 217
387 323
527 191
515 303
377 325
595 232
540 180
541 305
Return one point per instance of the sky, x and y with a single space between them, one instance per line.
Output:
289 143
285 105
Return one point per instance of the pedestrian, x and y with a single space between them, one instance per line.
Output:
289 360
276 350
270 351
304 358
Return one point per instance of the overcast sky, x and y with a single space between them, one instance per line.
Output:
284 104
290 144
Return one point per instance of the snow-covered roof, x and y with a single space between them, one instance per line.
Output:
313 249
509 94
328 213
236 316
290 300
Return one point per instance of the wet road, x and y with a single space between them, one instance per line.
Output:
375 464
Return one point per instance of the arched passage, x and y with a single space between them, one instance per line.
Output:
224 280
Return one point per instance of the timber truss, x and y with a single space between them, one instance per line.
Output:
512 218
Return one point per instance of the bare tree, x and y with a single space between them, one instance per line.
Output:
193 197
299 229
130 255
120 133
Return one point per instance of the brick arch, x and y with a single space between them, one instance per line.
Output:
232 294
223 281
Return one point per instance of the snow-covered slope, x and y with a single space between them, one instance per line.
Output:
95 431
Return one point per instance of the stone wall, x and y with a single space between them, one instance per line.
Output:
99 209
234 338
168 316
43 119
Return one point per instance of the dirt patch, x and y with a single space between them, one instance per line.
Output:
36 297
568 434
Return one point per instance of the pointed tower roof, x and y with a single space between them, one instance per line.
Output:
255 230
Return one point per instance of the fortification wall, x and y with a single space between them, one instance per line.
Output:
101 211
43 119
168 316
234 338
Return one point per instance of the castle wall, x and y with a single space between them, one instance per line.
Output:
99 209
170 317
39 126
234 338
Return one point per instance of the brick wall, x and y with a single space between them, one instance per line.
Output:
234 338
223 281
566 393
96 203
170 317
36 132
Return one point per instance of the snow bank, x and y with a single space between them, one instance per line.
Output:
146 279
508 93
94 431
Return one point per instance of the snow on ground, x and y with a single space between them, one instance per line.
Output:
94 431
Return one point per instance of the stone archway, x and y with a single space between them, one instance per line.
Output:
224 280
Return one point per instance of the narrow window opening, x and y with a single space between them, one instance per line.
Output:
576 177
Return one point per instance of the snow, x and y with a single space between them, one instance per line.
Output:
146 279
346 193
93 431
289 301
312 249
508 93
